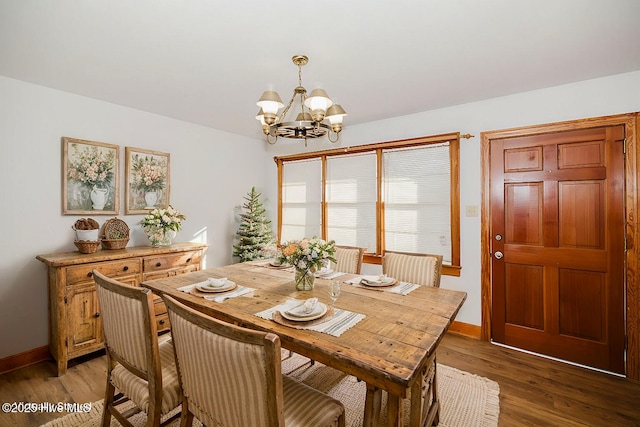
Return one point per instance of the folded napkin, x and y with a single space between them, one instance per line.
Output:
305 308
382 278
216 283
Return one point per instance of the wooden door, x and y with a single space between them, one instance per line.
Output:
557 243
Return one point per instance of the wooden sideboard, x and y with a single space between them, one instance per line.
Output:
75 327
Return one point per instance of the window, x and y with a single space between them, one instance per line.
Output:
351 196
399 195
417 211
301 200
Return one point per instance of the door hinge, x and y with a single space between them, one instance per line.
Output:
624 146
66 342
65 299
626 342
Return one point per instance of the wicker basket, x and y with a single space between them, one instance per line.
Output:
87 246
115 234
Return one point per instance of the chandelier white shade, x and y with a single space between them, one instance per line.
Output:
315 109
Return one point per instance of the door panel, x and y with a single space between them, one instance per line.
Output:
557 201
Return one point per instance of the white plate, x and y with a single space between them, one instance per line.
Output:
206 287
375 281
318 312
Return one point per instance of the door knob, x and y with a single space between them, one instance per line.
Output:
498 237
498 255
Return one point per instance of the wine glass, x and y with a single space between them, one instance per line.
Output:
334 293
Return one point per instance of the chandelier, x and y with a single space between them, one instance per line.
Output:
310 121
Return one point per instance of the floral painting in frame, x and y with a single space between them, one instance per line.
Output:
89 177
147 180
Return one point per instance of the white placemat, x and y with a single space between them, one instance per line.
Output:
402 288
220 297
341 321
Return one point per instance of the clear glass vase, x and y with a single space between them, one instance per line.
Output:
161 237
304 279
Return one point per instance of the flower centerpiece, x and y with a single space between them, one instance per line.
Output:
307 256
161 225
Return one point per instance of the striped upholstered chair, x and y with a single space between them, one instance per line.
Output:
349 259
424 270
232 376
421 269
138 365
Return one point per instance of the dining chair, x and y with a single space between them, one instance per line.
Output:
140 367
348 259
421 269
424 270
231 376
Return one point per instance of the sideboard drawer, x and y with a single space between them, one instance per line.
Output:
111 269
171 261
161 315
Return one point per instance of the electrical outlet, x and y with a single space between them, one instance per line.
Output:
472 210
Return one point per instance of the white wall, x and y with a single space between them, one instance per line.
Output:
599 97
211 171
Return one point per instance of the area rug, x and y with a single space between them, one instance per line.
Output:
466 400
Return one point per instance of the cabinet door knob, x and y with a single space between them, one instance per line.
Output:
89 274
126 267
96 315
188 259
158 264
162 322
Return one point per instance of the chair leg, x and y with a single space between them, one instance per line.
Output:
186 420
108 403
109 395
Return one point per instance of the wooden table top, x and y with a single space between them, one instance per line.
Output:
387 349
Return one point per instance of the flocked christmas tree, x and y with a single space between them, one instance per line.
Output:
254 233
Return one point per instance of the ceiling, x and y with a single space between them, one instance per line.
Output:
208 61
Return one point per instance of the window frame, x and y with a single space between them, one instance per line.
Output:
452 269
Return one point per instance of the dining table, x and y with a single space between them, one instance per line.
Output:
382 337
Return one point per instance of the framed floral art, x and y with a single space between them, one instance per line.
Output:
146 180
89 177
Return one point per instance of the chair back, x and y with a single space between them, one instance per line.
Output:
349 259
421 269
230 375
130 334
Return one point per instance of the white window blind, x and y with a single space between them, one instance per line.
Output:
351 193
301 200
417 194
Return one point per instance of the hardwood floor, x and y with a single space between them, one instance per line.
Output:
533 391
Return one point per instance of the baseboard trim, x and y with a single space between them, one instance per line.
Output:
466 329
24 359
